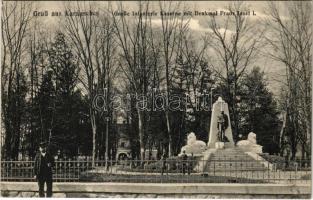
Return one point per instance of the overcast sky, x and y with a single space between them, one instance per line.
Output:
197 23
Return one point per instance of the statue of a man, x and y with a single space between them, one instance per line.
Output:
222 125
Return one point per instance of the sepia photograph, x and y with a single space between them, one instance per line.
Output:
156 99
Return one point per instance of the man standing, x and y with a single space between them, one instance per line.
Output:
43 170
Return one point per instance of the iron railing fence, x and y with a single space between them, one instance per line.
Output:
165 171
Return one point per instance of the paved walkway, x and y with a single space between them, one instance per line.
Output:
162 188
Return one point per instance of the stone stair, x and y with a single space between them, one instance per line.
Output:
232 159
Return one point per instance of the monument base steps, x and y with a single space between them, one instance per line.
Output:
232 159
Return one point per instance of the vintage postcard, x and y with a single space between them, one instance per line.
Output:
166 99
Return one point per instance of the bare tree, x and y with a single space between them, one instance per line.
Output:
92 39
193 79
196 70
15 21
291 39
135 38
236 41
37 51
172 29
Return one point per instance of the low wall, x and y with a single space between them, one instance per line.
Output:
259 158
201 190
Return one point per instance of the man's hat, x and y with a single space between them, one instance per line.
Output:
43 144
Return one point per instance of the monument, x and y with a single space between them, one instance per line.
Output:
221 145
220 135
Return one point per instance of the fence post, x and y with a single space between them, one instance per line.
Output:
296 165
203 165
268 171
290 176
213 167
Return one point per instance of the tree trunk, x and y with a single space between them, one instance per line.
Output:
282 131
94 131
141 134
303 151
170 147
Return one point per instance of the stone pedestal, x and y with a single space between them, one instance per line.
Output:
219 145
